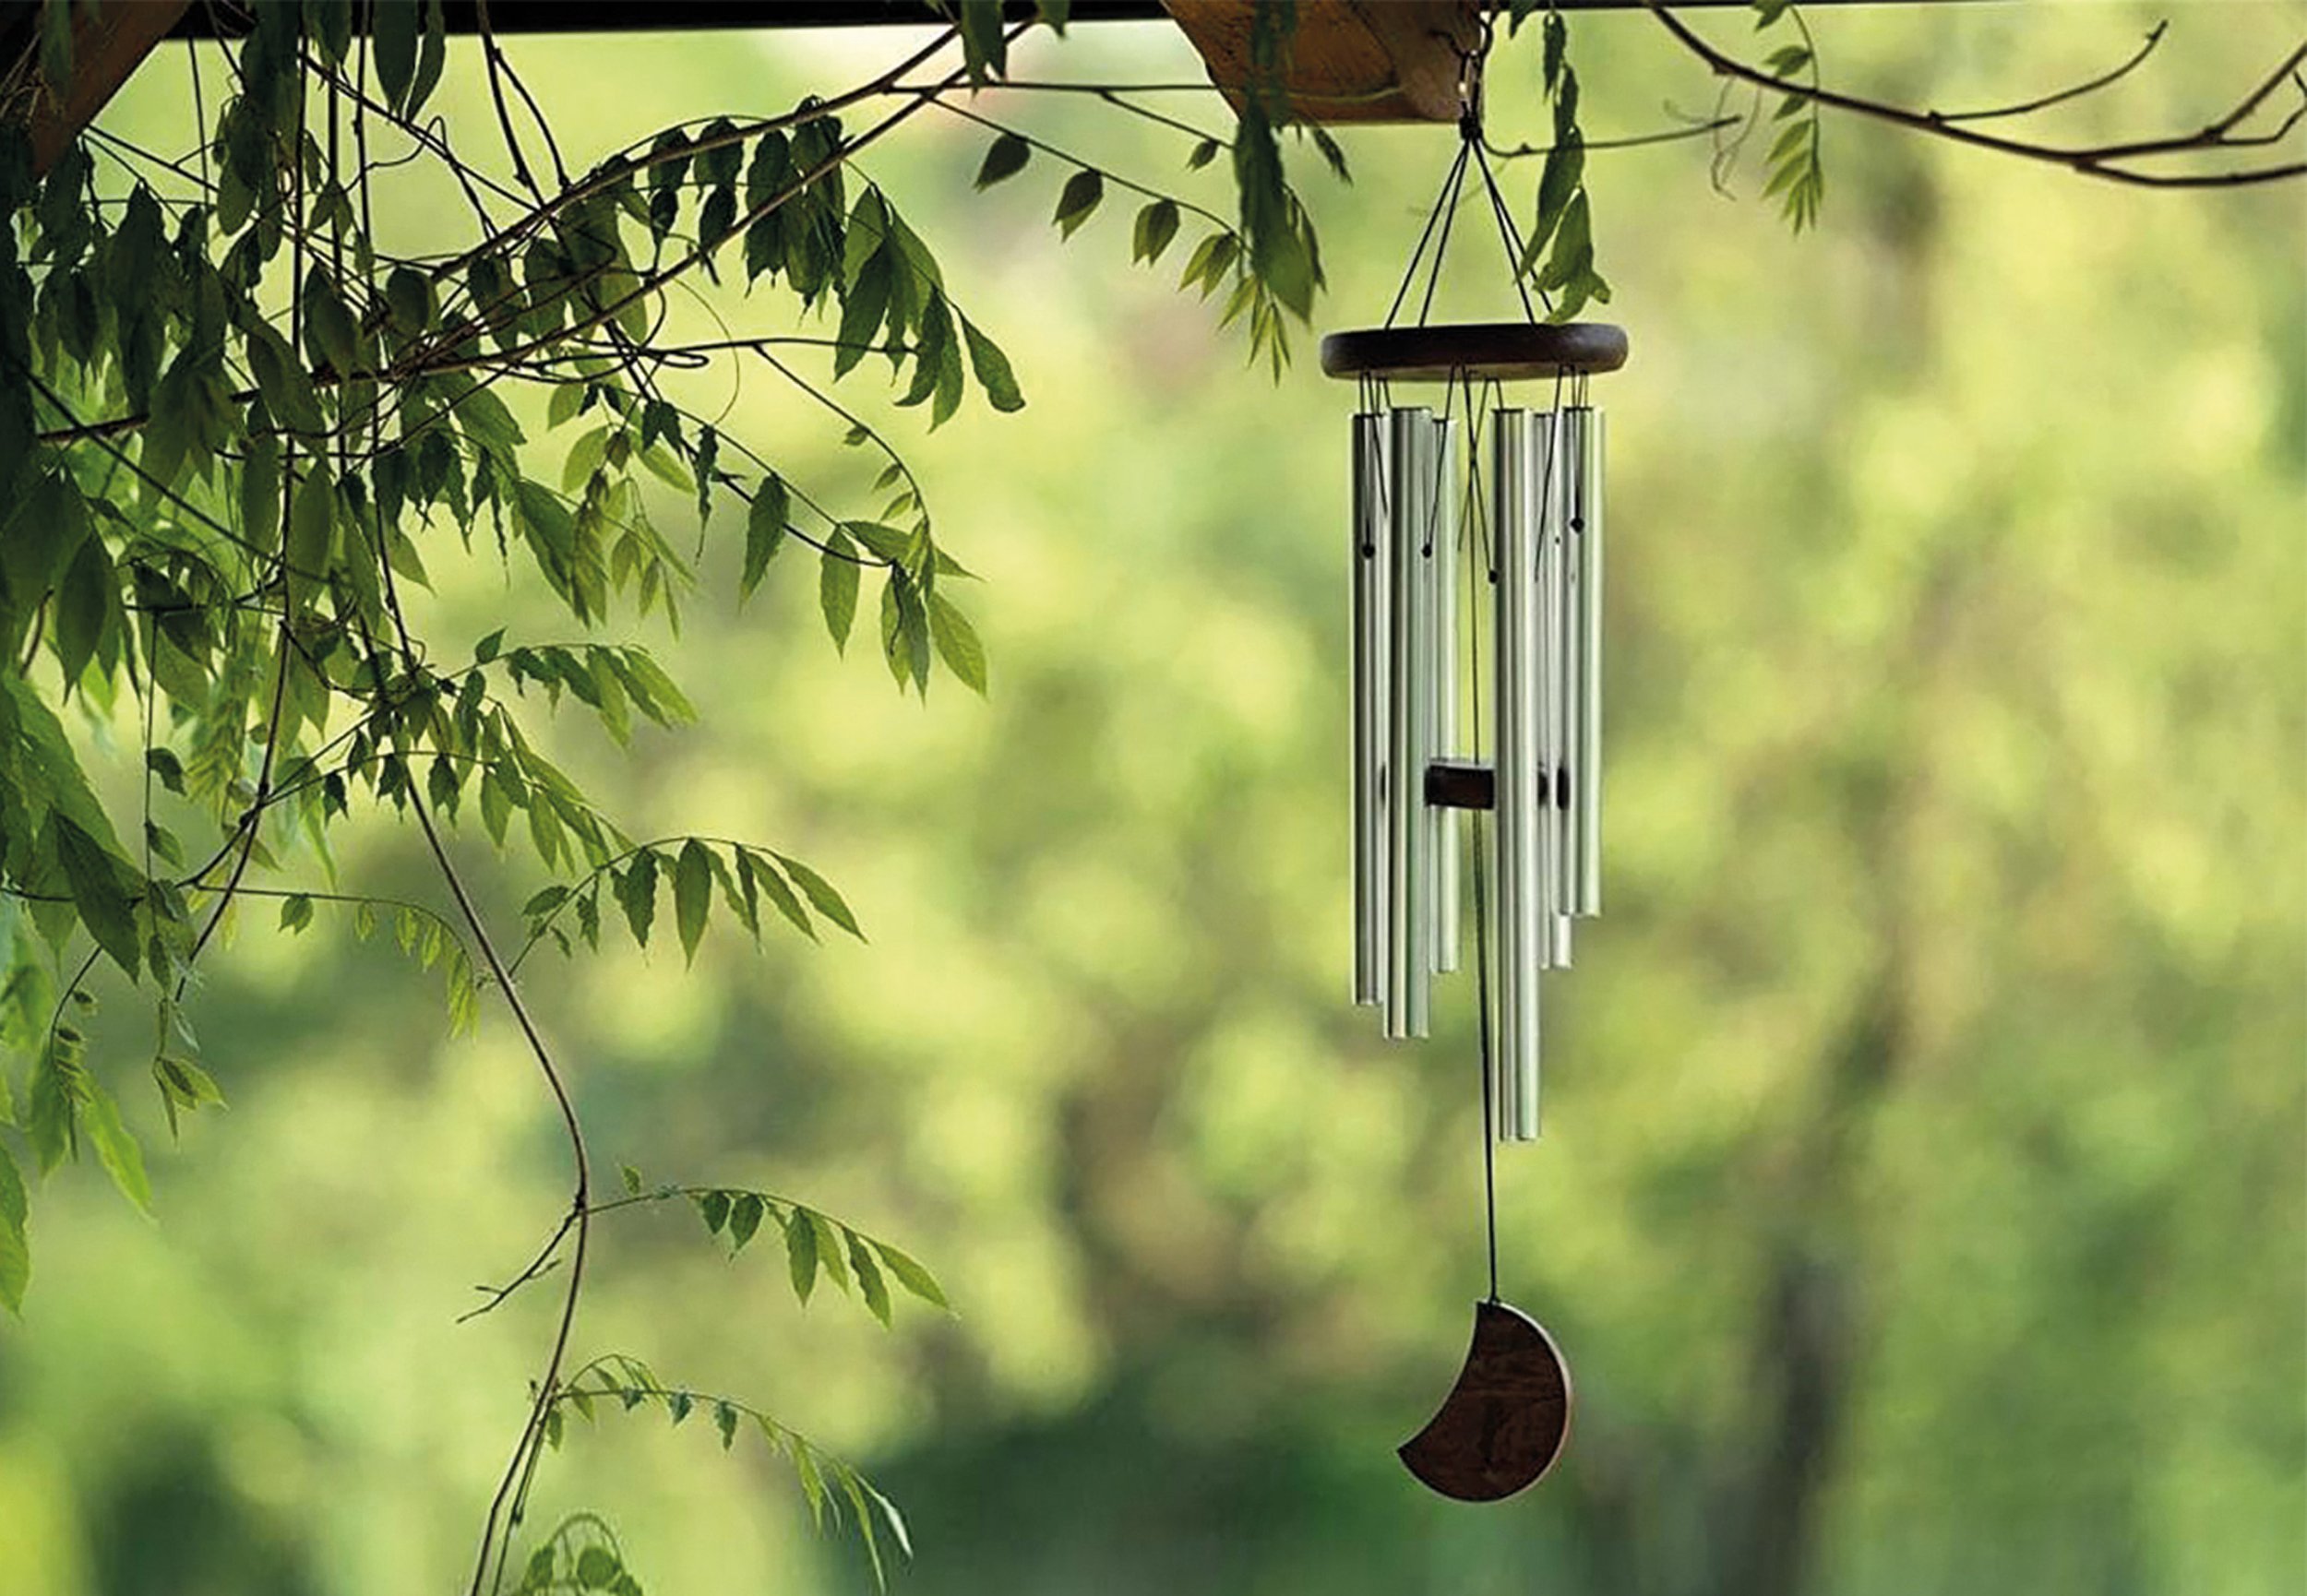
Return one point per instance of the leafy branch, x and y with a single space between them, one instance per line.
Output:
2124 161
1558 256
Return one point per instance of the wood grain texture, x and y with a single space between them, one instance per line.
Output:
109 42
1504 1423
1350 60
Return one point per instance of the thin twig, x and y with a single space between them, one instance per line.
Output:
2058 96
2092 161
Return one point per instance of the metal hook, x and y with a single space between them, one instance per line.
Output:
1471 63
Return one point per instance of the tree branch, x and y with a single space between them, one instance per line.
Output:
2097 161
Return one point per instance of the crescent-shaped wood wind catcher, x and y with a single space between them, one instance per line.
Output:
1476 558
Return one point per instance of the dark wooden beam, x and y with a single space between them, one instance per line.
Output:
228 20
109 43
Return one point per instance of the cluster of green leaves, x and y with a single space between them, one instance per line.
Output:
234 428
985 31
828 1482
815 1243
1798 171
582 1554
695 868
229 422
1263 282
1277 248
65 1104
1558 257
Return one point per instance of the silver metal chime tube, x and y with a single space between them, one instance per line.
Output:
1553 654
1583 457
1409 862
1442 587
1372 556
1544 482
1518 471
1528 656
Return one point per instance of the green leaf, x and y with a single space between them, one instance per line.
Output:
636 889
1156 225
828 1246
744 1218
764 532
765 877
912 1275
1565 168
871 1285
1007 157
992 369
116 1148
692 894
726 1421
984 45
632 1179
88 609
432 54
482 416
1079 199
393 28
312 523
863 305
281 379
596 1567
801 1253
329 24
715 1207
15 1258
296 912
822 896
259 492
37 760
52 1113
837 587
183 1085
957 643
94 877
329 334
1574 249
1203 153
1210 261
904 632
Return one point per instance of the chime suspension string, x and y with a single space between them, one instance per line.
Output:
1480 564
1449 216
1507 235
1445 203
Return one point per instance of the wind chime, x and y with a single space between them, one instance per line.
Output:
1477 560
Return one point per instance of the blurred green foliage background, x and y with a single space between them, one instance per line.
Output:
1921 1203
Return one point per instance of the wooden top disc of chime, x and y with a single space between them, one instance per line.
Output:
1481 352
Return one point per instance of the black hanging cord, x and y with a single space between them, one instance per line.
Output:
1479 566
1446 203
1443 203
1507 233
